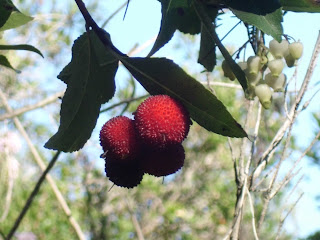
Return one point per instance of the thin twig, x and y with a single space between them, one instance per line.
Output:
252 214
42 166
135 222
292 114
32 196
124 102
25 109
283 220
114 14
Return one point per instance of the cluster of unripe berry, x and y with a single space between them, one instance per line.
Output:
150 143
264 71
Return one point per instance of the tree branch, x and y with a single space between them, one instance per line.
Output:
39 104
32 196
42 166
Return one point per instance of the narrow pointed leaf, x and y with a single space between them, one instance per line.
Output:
177 15
4 62
16 19
207 53
90 84
269 23
163 76
25 47
5 10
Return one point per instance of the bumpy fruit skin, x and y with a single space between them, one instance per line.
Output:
163 162
124 174
119 140
161 121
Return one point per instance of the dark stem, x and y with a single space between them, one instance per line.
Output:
32 196
99 31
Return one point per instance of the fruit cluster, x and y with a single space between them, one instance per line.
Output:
264 71
151 143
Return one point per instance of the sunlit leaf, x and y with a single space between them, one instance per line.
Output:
16 19
269 24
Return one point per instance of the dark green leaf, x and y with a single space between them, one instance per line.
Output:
16 19
162 76
301 5
269 24
178 16
261 7
90 84
21 47
207 53
205 19
4 62
5 10
66 73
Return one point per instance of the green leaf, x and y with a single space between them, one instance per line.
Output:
90 84
16 19
21 47
269 24
205 19
4 62
178 16
207 53
66 73
312 6
162 76
5 10
261 7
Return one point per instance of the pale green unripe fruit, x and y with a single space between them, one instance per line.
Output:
278 49
290 61
264 93
296 49
277 83
227 72
254 64
252 78
276 66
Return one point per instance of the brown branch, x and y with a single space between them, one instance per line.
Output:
42 166
25 109
32 196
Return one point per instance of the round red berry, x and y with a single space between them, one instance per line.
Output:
161 121
118 138
163 162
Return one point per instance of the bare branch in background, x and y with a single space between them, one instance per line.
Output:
25 109
292 114
42 166
32 196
